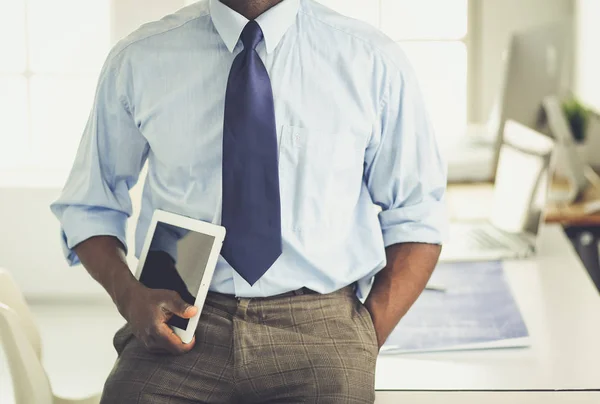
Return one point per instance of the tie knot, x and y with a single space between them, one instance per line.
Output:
251 35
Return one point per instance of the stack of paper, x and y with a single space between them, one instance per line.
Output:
476 311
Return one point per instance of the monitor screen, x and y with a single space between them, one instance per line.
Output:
176 261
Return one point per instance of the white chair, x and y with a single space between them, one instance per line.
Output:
20 339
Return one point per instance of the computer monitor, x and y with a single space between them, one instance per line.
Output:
537 66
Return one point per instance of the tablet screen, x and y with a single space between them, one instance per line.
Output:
177 260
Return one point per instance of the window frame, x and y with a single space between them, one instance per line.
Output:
471 40
29 174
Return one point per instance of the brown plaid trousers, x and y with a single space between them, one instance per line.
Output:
300 347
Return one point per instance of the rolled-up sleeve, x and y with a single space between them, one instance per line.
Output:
95 200
404 170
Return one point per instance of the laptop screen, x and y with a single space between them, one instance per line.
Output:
521 188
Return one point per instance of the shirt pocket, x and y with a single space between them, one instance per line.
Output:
320 176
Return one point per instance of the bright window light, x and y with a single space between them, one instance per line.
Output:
68 36
424 19
433 35
60 106
12 36
364 10
441 68
52 52
14 126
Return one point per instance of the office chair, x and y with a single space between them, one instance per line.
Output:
20 339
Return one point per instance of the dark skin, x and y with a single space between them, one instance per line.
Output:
399 284
250 8
147 311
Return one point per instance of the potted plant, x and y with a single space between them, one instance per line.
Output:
578 117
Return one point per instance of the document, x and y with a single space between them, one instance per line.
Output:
473 308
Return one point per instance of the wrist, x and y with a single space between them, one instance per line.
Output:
378 319
124 288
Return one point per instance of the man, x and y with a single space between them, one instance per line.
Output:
286 123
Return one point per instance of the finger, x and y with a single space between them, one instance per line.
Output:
171 341
150 344
189 312
190 344
176 305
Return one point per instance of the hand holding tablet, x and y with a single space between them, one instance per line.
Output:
174 272
149 312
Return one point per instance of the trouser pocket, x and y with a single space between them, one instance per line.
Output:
122 338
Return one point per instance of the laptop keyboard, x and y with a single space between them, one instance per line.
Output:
477 238
482 238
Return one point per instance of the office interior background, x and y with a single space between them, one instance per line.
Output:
51 53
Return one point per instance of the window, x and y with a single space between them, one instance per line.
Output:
433 34
52 52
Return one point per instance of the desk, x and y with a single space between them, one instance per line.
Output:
574 214
562 310
420 397
461 206
471 202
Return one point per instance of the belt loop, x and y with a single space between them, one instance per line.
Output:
242 308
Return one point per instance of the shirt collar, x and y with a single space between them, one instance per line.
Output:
274 22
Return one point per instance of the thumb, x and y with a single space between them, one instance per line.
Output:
176 305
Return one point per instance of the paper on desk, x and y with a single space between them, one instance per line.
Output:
477 311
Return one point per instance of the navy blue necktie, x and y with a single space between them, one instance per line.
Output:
251 203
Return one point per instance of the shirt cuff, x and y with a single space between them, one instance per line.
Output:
81 223
422 223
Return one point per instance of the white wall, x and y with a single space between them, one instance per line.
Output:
587 69
130 14
587 82
29 245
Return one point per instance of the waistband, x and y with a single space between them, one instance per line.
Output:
348 290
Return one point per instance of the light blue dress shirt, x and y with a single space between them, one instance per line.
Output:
352 129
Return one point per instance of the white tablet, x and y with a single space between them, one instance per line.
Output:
180 254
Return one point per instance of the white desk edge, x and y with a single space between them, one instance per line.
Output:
561 308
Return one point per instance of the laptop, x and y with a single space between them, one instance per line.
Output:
520 195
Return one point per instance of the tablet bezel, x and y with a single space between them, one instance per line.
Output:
216 231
